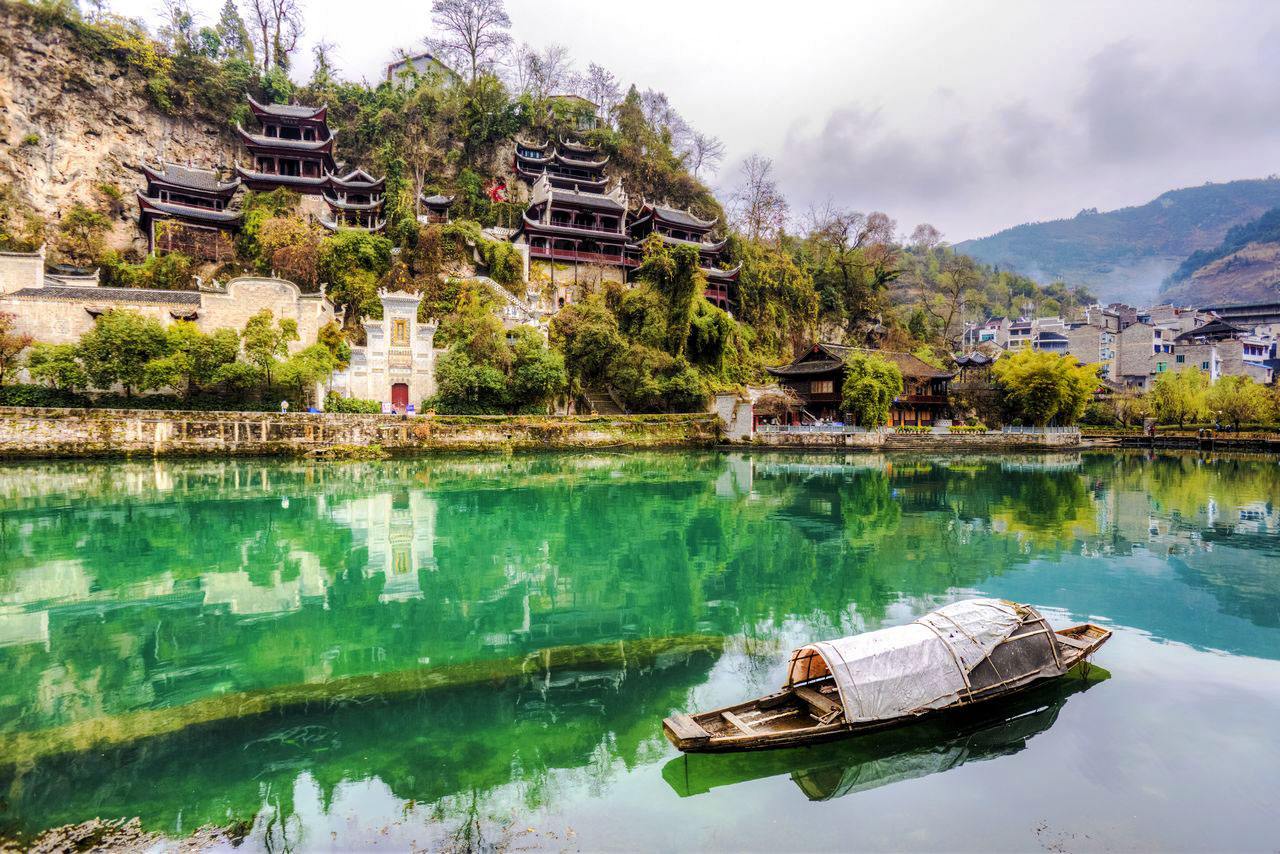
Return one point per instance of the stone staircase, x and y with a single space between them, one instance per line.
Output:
601 402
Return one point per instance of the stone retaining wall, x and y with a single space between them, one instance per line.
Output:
53 432
920 441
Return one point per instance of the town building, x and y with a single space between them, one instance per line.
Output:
1221 349
186 210
993 330
422 64
396 365
568 165
817 378
1049 341
1094 345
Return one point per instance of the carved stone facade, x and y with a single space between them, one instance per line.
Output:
396 366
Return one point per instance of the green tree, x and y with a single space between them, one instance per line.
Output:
537 371
57 365
1039 388
351 262
11 345
233 35
265 341
119 347
870 387
588 335
303 370
674 272
1180 396
194 358
80 234
1238 399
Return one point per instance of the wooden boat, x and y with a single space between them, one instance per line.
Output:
964 653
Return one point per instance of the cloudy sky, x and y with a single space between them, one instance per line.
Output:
972 116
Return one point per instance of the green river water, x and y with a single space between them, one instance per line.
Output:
477 653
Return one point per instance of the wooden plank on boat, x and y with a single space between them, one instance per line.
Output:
738 722
1074 642
685 727
822 704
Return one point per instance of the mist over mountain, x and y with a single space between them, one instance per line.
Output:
1126 254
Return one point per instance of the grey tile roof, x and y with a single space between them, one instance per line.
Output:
186 176
134 295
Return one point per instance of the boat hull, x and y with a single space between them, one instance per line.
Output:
695 734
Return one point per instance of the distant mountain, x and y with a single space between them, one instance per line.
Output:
1243 268
1125 254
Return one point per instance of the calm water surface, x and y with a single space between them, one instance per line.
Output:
479 652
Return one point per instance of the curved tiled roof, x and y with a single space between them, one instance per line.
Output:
150 205
262 141
91 294
288 111
203 180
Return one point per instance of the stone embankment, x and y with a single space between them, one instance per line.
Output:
53 432
949 443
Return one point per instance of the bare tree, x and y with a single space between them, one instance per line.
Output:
705 151
601 87
664 118
277 27
925 237
472 31
758 205
947 303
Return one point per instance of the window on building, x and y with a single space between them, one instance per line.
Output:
1161 367
400 331
1180 359
822 386
1204 366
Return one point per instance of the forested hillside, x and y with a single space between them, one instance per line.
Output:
1243 268
1125 254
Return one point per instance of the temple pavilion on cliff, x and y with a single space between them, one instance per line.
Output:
186 210
355 201
295 150
575 225
566 166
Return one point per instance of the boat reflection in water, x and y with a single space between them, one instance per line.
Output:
833 770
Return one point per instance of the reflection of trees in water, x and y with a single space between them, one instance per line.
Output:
444 749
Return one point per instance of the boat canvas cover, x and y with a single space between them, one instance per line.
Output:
909 668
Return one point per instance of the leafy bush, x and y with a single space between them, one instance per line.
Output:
912 428
968 428
334 402
39 395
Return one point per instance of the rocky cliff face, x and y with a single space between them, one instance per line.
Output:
69 123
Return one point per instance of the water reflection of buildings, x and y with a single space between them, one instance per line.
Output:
398 530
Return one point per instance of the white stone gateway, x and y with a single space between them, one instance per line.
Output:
397 364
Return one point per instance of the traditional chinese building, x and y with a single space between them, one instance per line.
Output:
355 201
186 210
817 377
567 166
436 208
294 148
574 225
678 227
396 366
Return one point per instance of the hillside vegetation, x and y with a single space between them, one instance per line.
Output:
1243 268
1125 254
90 96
